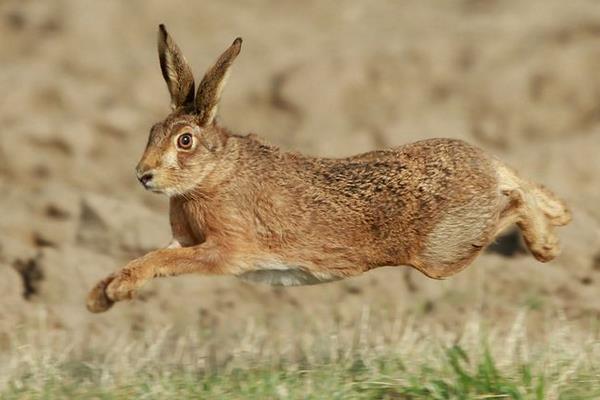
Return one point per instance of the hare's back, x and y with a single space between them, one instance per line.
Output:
419 180
437 196
449 179
433 171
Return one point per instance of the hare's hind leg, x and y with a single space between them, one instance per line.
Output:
535 213
537 229
552 207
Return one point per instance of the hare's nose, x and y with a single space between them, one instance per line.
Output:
145 178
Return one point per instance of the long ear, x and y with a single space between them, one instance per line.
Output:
209 90
175 70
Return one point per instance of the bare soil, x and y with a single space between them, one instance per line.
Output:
81 87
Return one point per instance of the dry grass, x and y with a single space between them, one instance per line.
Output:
377 359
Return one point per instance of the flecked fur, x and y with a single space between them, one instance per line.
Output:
240 206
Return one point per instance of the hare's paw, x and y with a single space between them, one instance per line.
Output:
546 248
121 288
115 287
97 300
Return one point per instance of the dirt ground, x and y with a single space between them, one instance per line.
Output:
81 87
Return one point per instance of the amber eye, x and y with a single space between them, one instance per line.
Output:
185 141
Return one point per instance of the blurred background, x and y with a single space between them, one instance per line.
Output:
81 86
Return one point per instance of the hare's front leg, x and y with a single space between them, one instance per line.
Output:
205 258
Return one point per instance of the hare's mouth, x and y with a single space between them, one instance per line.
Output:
157 182
155 188
160 190
149 182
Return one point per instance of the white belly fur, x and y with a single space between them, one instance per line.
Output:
276 274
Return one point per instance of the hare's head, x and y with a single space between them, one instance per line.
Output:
186 146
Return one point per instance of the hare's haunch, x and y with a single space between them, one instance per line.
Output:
241 207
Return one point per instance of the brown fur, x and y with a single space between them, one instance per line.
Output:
239 206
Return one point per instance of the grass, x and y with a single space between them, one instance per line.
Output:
409 363
457 377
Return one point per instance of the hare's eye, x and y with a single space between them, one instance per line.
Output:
185 141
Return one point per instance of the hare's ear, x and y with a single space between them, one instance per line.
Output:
209 90
175 70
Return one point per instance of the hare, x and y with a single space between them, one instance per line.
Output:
239 206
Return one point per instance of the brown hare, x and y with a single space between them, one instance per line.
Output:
239 206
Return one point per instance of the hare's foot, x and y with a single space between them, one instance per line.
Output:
553 208
117 286
544 246
122 287
537 228
97 300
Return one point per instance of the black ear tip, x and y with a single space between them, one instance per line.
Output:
238 41
162 29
